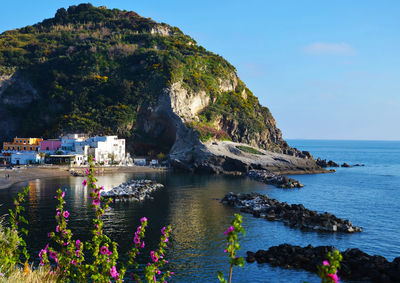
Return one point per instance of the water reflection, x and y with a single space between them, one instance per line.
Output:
188 202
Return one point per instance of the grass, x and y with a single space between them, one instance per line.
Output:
248 149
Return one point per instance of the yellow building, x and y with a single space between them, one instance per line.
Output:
23 144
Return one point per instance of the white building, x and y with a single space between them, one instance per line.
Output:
21 158
105 149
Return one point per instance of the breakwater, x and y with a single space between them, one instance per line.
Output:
294 215
356 264
136 190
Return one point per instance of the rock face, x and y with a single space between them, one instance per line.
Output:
274 179
134 190
225 157
295 215
356 265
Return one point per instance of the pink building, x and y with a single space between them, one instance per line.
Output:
50 146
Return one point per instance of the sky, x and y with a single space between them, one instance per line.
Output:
325 69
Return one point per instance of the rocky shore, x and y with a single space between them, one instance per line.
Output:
136 190
356 265
274 179
295 215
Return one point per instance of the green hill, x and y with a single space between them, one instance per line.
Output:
101 71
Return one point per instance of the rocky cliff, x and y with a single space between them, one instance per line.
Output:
104 71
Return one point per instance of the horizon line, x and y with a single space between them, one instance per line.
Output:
324 139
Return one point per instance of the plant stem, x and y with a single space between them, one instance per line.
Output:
230 273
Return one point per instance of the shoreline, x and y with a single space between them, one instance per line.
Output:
24 174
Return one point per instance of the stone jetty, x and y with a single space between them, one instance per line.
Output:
274 179
136 190
294 215
356 264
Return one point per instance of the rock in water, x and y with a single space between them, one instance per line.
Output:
274 179
295 215
356 265
137 190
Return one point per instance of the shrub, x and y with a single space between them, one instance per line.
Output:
249 149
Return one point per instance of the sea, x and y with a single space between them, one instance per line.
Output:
367 195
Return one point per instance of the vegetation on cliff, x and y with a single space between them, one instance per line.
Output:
96 70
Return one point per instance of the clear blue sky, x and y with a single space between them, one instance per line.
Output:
326 69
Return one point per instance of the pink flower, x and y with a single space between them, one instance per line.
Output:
53 255
96 202
225 251
334 277
325 262
143 219
73 262
42 252
230 229
136 240
104 250
77 253
87 171
113 272
163 230
77 243
153 256
58 228
66 214
166 240
63 194
84 182
142 246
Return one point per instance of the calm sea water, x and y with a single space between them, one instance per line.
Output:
368 196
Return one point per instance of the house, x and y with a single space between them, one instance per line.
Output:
50 146
21 158
21 151
22 144
106 149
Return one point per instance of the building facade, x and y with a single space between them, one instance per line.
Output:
22 144
50 146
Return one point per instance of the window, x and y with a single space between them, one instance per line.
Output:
31 148
24 147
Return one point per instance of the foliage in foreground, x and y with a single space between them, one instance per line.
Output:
232 246
68 259
328 270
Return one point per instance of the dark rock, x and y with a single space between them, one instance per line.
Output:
274 179
356 265
323 163
295 215
346 165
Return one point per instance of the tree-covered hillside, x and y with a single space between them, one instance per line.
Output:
95 70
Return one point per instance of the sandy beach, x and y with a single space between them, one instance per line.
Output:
8 177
